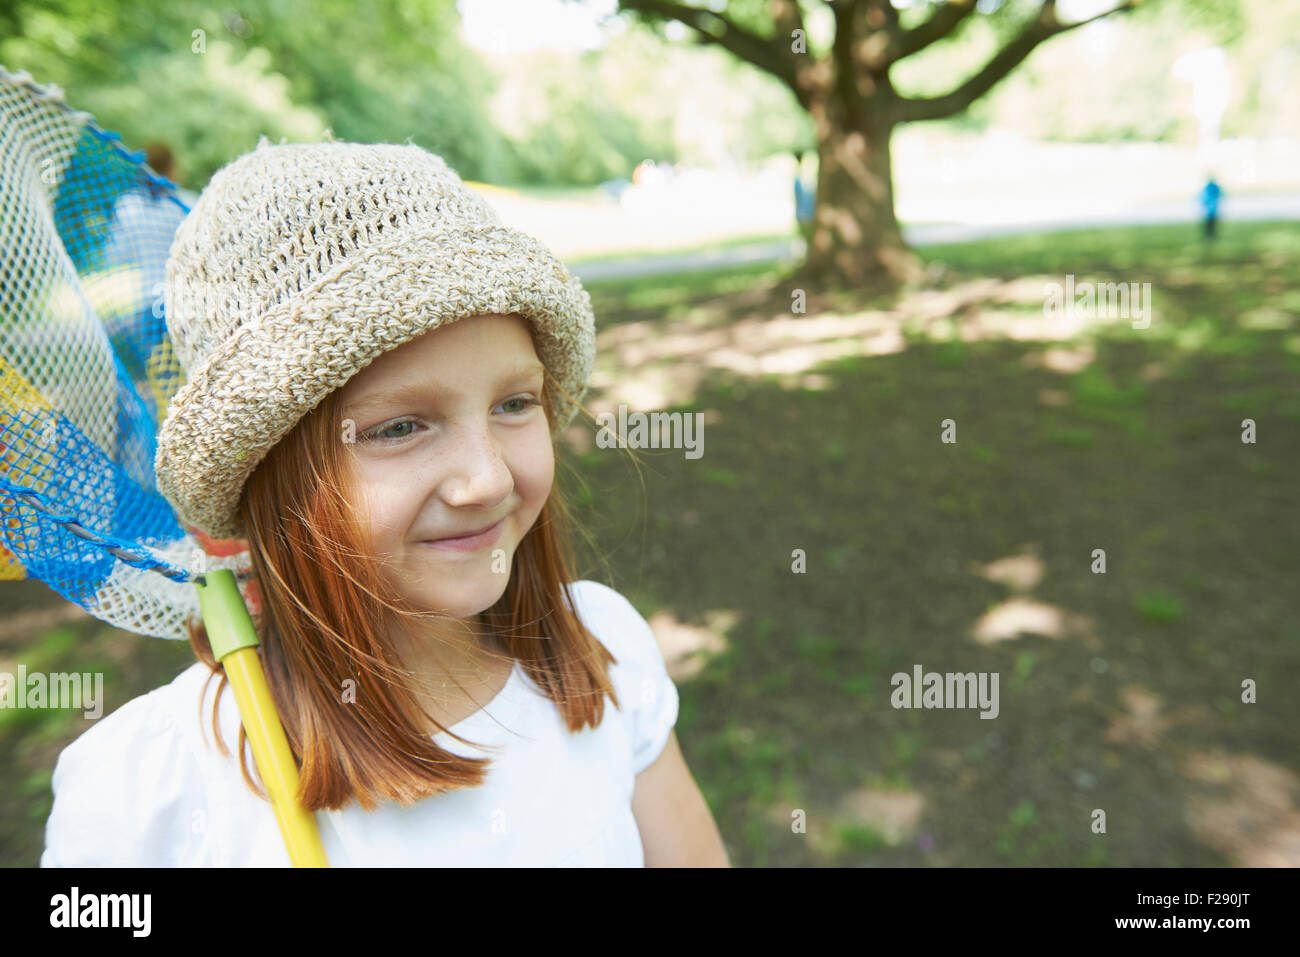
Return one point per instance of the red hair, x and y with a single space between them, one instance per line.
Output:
324 619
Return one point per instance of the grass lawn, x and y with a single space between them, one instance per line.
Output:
1121 691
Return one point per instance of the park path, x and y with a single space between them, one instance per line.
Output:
1258 206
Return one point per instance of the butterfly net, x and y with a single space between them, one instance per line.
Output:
87 370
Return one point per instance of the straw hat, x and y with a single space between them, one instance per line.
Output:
299 265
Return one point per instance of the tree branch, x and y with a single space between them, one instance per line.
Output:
941 23
842 57
875 34
769 54
1043 27
787 16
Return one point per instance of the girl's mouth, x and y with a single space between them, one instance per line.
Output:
470 543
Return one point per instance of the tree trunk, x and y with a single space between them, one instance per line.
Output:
856 240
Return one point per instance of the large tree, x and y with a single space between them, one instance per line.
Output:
854 106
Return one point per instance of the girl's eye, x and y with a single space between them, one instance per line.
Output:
396 430
527 400
386 432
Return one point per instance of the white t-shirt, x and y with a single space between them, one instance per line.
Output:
146 786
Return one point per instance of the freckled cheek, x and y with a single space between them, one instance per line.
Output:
391 505
533 466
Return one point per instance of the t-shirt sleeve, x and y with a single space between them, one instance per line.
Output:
127 793
646 693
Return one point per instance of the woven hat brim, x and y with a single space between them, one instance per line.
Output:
262 379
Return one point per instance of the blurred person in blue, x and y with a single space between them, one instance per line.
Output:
1210 195
805 199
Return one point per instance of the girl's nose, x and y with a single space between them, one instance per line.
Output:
474 472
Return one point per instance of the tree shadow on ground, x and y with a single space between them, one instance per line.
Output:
1121 692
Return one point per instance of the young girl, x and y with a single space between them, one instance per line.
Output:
378 369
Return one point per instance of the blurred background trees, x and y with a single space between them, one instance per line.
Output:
209 80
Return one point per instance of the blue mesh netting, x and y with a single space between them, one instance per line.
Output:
86 367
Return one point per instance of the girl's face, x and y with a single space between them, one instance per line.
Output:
450 438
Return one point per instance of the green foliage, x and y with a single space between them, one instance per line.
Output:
1159 606
1025 839
905 747
564 128
586 119
1022 668
1129 92
859 839
1100 399
208 81
1072 437
720 476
